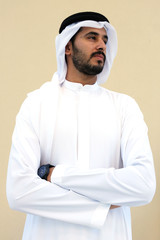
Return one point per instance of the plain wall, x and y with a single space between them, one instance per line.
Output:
27 60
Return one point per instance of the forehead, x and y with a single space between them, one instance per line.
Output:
85 30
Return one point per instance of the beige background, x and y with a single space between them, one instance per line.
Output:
27 60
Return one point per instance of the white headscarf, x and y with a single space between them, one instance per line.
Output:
64 37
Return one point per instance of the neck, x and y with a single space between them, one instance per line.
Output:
78 77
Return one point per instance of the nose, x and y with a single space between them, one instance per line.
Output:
101 45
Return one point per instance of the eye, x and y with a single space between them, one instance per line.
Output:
105 41
92 37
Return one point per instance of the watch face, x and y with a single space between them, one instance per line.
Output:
43 171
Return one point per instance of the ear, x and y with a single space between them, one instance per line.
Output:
68 48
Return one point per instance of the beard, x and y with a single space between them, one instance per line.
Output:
83 65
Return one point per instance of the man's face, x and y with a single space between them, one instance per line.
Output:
89 50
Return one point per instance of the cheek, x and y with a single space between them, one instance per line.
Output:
84 46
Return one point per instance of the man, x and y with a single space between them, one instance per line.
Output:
89 144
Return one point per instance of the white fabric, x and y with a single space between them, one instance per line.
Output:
63 38
118 167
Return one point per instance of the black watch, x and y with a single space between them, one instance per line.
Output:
43 171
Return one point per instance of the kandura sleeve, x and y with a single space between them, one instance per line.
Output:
28 193
132 185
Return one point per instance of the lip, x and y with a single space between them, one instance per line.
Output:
99 56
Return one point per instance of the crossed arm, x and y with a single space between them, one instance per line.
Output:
49 180
74 191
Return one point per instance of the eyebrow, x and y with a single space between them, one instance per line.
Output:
96 34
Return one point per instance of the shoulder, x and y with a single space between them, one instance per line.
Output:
125 104
117 97
45 90
38 98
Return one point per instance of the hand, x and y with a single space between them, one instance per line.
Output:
114 206
50 173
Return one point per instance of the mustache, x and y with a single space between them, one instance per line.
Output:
99 52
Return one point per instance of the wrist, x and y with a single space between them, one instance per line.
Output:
44 171
50 173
